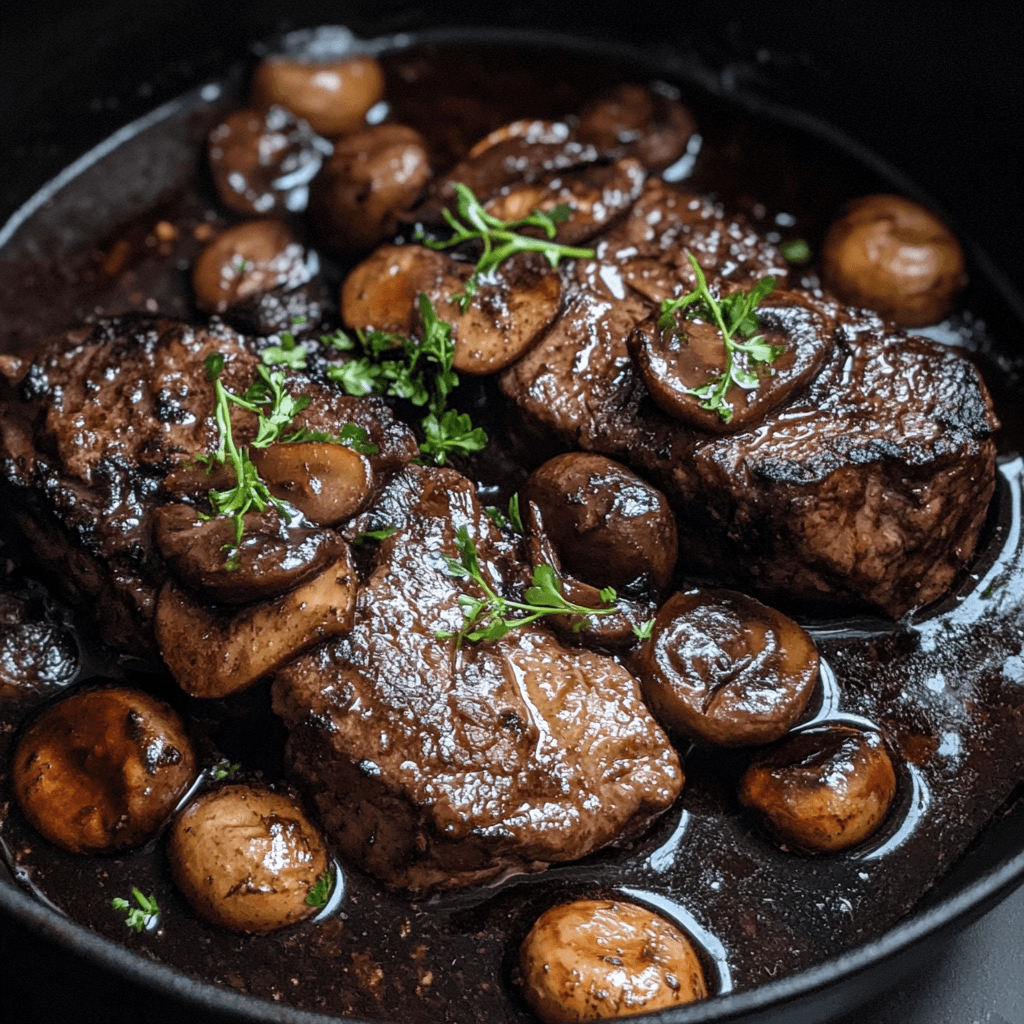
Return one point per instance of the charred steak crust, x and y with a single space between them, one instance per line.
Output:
94 419
868 486
433 767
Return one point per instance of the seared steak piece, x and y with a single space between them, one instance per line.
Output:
439 766
868 486
92 423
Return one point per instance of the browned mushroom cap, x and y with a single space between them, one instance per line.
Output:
609 527
275 556
260 158
893 256
686 357
246 858
370 179
247 260
506 317
823 790
332 96
328 483
101 771
640 122
600 959
724 668
213 651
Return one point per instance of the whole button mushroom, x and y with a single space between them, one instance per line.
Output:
600 959
101 771
823 790
896 258
248 260
246 858
608 526
723 668
372 178
332 96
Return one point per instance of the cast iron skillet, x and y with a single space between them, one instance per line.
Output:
996 865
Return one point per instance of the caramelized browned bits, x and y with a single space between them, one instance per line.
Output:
275 556
101 771
371 178
246 858
506 317
673 362
328 483
640 122
262 161
896 258
823 790
213 651
247 260
333 96
601 959
724 668
609 527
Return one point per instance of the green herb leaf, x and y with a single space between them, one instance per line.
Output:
796 250
381 534
223 770
214 364
514 516
138 917
500 238
644 630
289 353
496 516
320 891
453 433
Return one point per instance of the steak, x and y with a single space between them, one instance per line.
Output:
439 765
870 485
95 419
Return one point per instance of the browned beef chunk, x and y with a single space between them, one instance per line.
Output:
868 486
92 424
435 766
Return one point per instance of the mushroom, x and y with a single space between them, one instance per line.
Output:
895 257
101 771
370 180
724 668
246 859
823 790
599 959
333 96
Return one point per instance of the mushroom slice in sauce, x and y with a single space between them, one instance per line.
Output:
823 790
214 651
724 668
101 771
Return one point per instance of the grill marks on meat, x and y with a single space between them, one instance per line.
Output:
434 767
92 424
870 486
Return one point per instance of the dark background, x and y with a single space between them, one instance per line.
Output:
935 88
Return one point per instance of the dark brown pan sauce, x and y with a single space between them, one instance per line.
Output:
946 686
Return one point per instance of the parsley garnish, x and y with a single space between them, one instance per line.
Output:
351 436
513 521
423 375
138 917
500 238
319 894
224 769
289 352
381 534
487 617
644 630
733 315
796 250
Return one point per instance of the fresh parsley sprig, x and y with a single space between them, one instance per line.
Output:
734 316
500 238
489 617
320 891
289 353
422 374
138 917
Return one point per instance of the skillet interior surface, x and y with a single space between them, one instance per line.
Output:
964 895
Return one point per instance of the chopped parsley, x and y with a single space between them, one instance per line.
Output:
319 894
141 916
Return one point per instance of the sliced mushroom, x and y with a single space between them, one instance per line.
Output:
248 260
724 668
275 556
371 178
603 959
101 771
333 96
895 257
212 652
681 359
246 858
328 483
823 790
